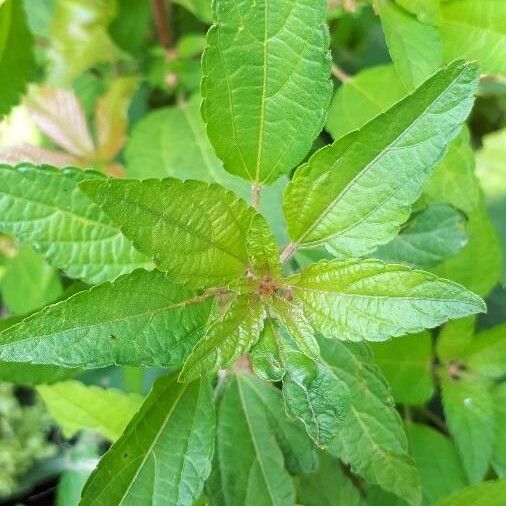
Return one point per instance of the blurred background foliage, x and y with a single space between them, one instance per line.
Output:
113 85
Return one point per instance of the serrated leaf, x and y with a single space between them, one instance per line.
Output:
436 459
76 406
152 322
453 180
79 38
267 358
329 486
490 493
193 231
29 283
250 461
416 48
231 336
470 418
367 299
280 88
44 206
354 194
365 95
262 249
429 237
476 30
17 61
371 439
291 437
164 455
406 363
314 395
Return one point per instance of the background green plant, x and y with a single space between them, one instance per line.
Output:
114 86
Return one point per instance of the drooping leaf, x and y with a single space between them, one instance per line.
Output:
329 486
362 97
290 435
279 88
250 462
17 61
79 38
367 299
489 493
164 455
416 48
231 336
173 142
44 206
406 363
29 283
76 406
353 195
475 30
470 418
194 231
437 460
141 318
428 238
314 395
371 439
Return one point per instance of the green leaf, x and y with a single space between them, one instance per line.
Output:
371 440
428 238
262 249
490 493
427 11
362 97
251 469
290 435
164 455
436 459
33 374
79 38
267 357
367 299
492 174
200 229
314 395
354 194
173 142
416 48
200 8
17 61
29 283
43 206
475 30
453 180
76 406
329 486
406 363
499 450
151 322
231 336
478 264
454 339
470 418
278 89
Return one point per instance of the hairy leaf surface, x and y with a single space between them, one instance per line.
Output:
165 453
371 439
141 318
277 88
44 206
354 194
367 299
194 231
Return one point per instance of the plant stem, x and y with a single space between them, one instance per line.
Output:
256 189
288 252
162 26
339 73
